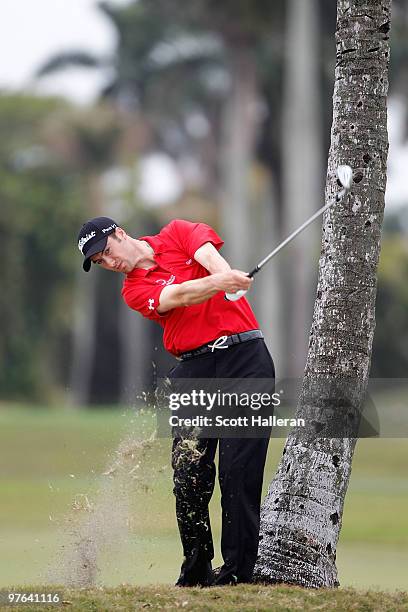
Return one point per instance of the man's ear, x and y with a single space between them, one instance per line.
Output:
120 233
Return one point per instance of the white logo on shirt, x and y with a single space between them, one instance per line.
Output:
162 281
151 302
189 261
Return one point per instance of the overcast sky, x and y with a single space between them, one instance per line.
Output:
33 30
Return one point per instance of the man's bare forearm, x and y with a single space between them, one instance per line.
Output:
199 290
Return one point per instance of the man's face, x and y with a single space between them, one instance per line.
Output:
117 255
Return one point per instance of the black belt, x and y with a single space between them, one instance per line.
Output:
222 342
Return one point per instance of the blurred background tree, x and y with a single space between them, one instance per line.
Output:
391 335
40 209
90 141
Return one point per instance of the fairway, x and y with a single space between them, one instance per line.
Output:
52 459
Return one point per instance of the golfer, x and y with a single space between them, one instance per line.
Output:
178 279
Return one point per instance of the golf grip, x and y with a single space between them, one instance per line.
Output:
234 297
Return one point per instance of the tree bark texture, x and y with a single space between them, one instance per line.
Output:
302 514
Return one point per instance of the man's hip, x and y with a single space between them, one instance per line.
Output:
221 343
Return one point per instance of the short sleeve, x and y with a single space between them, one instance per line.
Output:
191 236
143 295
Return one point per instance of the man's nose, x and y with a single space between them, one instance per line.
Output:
109 261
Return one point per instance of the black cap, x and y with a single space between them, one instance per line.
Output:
93 237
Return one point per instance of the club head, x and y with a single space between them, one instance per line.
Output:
345 176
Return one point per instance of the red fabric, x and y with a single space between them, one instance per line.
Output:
187 327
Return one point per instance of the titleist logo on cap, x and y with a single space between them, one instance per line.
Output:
104 230
84 240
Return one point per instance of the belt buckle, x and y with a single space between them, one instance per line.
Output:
218 343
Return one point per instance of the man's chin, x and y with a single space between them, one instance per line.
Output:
122 269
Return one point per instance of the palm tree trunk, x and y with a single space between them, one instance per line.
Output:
302 174
302 514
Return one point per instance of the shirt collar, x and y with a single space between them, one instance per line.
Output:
141 272
154 242
157 247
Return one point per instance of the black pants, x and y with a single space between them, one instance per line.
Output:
241 466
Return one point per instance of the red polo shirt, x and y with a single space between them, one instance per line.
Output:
186 327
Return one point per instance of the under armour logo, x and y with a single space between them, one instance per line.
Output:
151 302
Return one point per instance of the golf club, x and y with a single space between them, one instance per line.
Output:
345 176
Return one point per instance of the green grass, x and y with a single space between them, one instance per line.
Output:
246 598
48 457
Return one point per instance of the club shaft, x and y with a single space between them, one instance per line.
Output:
300 229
